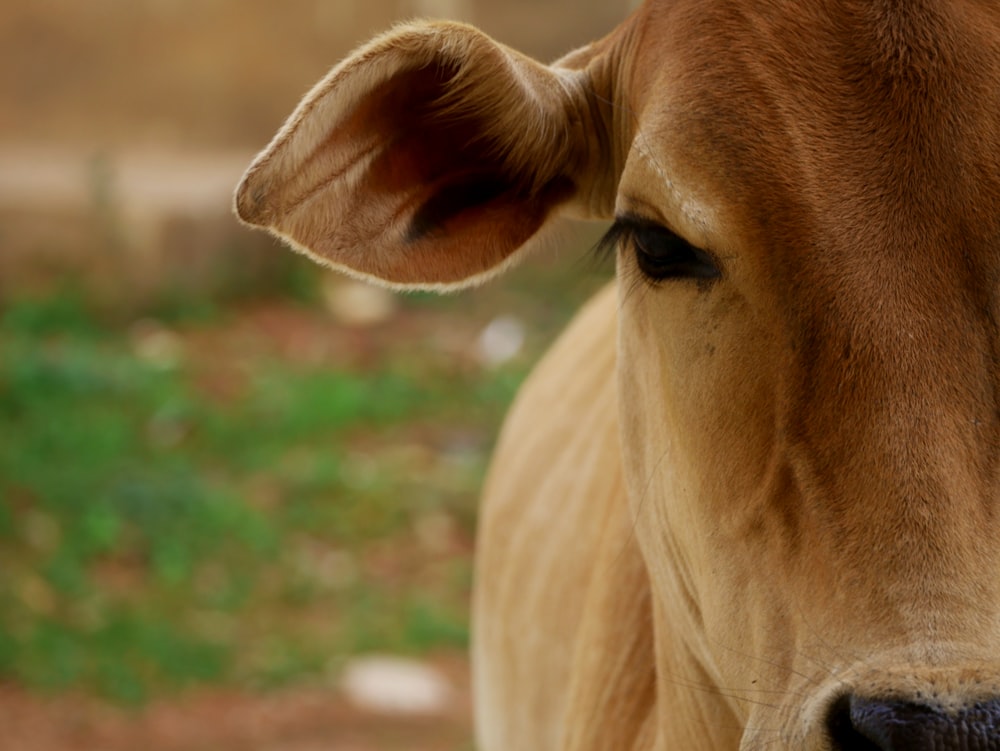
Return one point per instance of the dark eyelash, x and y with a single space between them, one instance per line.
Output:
607 246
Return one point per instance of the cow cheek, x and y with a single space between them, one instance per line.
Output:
697 405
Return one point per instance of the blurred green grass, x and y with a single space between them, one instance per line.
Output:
191 513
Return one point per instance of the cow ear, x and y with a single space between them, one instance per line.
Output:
430 158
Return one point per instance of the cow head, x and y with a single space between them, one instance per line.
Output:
806 200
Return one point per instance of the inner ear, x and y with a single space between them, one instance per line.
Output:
444 158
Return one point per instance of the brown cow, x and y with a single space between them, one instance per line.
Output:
751 500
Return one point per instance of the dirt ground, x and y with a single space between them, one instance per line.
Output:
297 719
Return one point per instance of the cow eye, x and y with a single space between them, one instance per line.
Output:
662 254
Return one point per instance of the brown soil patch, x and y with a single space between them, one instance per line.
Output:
301 719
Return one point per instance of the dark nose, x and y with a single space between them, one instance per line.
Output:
857 724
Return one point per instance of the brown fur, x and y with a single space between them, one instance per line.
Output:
777 489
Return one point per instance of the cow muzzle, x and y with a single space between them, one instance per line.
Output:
864 724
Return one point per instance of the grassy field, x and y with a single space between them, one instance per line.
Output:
248 493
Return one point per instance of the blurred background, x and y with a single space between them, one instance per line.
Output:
237 495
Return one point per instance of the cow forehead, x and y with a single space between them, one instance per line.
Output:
842 126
